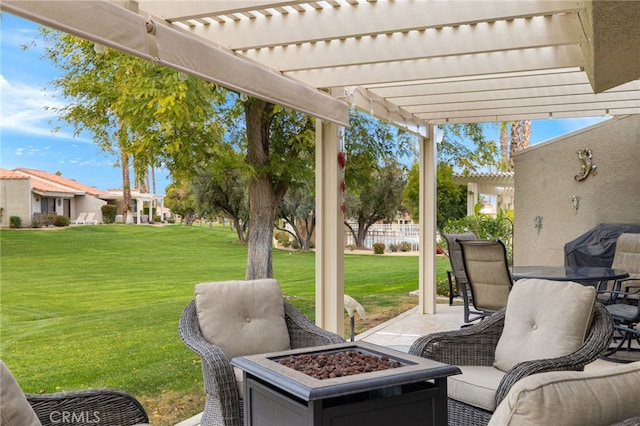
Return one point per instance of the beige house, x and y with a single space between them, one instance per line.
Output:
26 192
555 202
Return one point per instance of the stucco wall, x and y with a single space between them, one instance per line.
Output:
545 186
14 200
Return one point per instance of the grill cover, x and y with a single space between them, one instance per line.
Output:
597 246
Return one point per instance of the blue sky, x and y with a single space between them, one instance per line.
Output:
27 140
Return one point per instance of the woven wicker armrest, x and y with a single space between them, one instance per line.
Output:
219 379
94 406
303 333
472 345
594 346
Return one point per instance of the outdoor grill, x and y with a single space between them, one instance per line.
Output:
413 392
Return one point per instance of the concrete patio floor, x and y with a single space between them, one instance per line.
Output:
400 332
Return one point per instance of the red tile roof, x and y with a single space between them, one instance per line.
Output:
42 181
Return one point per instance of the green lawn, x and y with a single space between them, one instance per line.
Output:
98 306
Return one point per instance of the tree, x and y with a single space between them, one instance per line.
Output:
223 191
180 200
466 157
133 107
279 146
297 209
451 200
376 199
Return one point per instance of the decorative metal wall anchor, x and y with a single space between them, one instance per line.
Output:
575 204
587 168
538 223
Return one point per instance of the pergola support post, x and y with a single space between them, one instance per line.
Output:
329 228
427 217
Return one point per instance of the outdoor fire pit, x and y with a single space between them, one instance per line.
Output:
346 384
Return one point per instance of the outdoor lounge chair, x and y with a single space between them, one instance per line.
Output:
625 311
546 326
235 318
90 219
488 276
458 274
94 406
80 220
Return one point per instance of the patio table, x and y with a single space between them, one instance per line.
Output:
582 274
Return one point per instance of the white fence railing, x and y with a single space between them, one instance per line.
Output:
389 234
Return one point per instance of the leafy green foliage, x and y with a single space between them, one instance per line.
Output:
15 221
486 227
454 149
378 248
109 212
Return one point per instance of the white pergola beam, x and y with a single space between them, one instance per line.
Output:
569 102
510 94
462 40
465 65
368 18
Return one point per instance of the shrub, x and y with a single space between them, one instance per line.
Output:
393 248
378 248
61 221
109 212
15 222
351 247
283 239
48 219
295 244
404 246
36 222
442 287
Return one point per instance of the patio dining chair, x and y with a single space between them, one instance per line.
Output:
625 311
488 276
627 258
458 275
546 326
238 318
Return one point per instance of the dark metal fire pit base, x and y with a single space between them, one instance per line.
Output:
414 393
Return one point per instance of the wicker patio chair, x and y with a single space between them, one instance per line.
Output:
476 345
224 406
100 406
104 406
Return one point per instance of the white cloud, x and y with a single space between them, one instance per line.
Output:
23 111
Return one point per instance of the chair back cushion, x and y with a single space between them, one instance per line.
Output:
243 317
485 262
455 253
14 407
544 319
627 254
600 397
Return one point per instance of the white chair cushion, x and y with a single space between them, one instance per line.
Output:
477 386
242 317
15 410
568 398
544 319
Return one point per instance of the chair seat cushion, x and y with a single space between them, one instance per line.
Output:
243 317
14 407
544 319
477 386
599 397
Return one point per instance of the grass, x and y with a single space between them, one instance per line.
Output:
98 306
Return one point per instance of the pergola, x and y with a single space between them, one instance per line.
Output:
416 63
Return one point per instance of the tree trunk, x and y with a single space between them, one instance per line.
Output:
126 181
515 141
526 134
504 144
264 194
